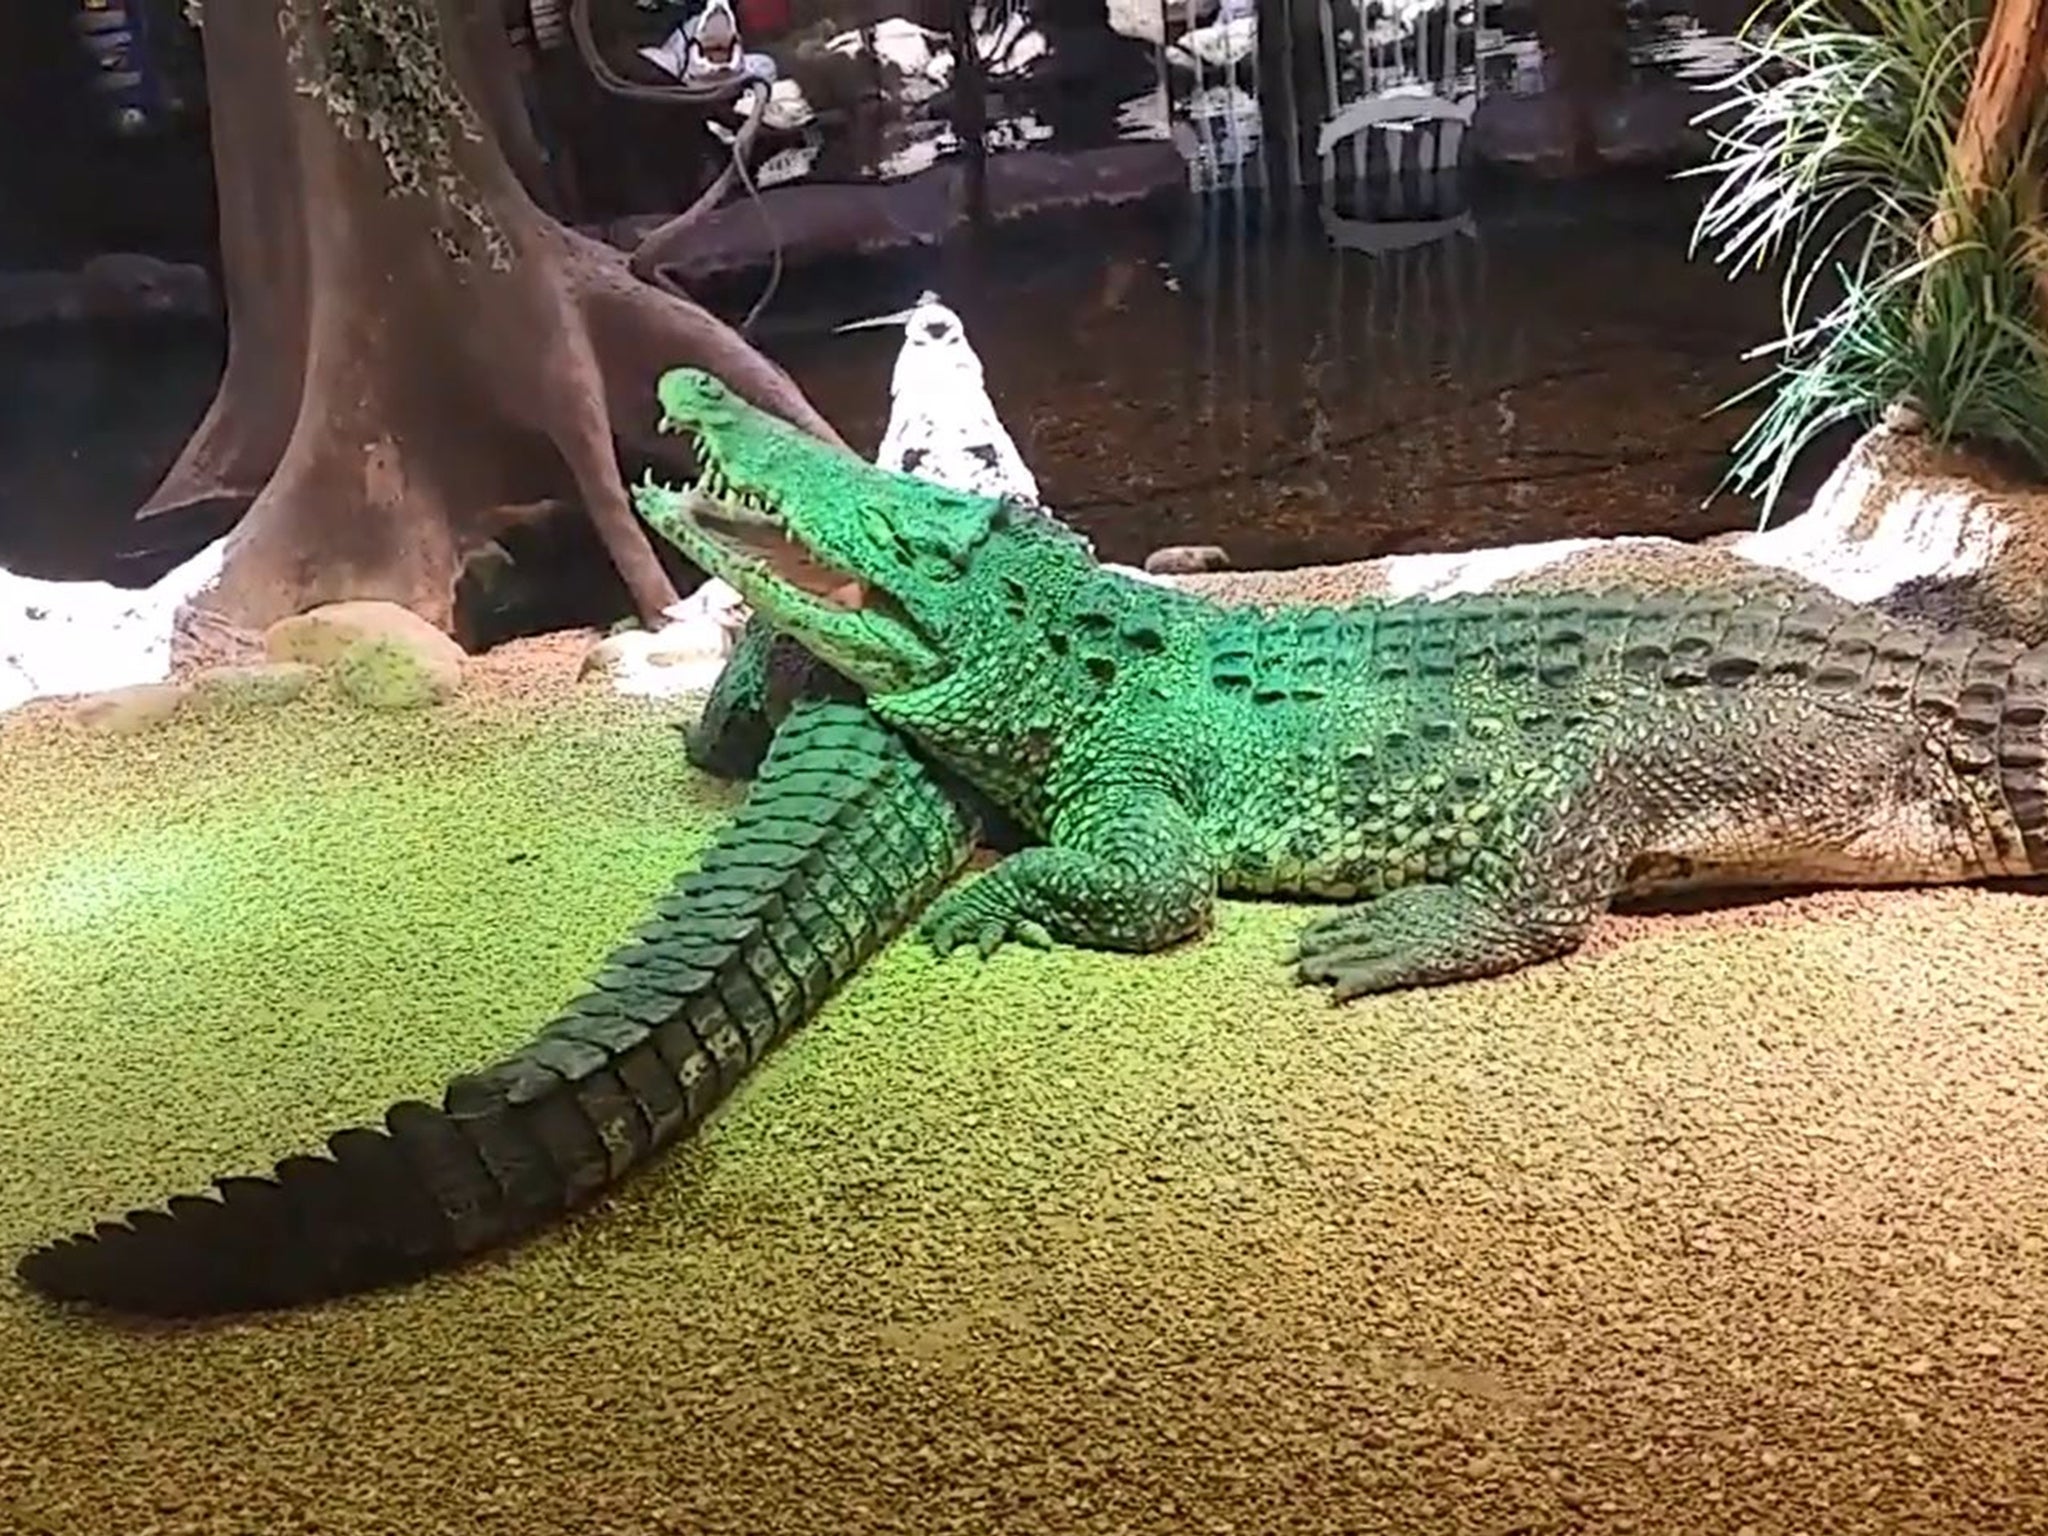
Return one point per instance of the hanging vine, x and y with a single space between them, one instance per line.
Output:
380 67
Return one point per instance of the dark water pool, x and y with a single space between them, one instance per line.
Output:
1551 369
1546 369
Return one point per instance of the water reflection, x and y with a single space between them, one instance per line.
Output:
1534 364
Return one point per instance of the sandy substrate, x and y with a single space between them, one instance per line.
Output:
1734 1223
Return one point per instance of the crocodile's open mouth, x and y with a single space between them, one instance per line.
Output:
745 524
731 521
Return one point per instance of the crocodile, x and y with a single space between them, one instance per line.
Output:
849 834
1473 779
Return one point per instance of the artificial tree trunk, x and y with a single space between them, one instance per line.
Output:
1585 51
418 354
2004 102
2005 94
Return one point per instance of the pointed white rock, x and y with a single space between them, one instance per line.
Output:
942 425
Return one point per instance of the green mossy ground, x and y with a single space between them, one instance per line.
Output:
224 933
1707 1228
234 936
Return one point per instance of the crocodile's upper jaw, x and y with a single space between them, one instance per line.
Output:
867 568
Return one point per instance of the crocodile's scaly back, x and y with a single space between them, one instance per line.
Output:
844 835
1758 735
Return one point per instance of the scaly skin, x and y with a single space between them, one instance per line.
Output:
1487 773
845 836
763 678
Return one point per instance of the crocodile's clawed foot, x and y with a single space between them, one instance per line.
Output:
980 915
1417 936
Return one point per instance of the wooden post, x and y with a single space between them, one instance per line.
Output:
2012 70
970 115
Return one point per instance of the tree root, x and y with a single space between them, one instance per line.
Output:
387 409
664 240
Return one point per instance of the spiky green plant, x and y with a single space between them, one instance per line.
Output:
1832 155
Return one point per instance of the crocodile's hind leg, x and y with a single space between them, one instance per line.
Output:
1430 934
1560 856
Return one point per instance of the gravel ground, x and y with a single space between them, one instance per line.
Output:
1732 1223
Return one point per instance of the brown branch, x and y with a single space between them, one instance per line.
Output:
2005 94
583 436
640 332
660 243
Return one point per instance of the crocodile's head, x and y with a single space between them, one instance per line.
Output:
880 575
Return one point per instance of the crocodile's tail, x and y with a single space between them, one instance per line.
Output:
843 838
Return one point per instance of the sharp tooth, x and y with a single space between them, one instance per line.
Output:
848 594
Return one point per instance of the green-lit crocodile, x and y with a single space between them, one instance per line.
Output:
848 833
1479 776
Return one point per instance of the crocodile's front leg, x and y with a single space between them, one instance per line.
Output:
1534 895
765 677
1126 870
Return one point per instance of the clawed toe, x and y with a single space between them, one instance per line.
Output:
1350 977
1348 935
1419 935
961 920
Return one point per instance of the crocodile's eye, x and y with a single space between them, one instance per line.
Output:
886 536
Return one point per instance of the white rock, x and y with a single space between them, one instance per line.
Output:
1220 45
1008 46
1885 517
1012 46
684 656
78 637
905 44
1148 20
786 107
942 424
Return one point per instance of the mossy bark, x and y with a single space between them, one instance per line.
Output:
419 354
